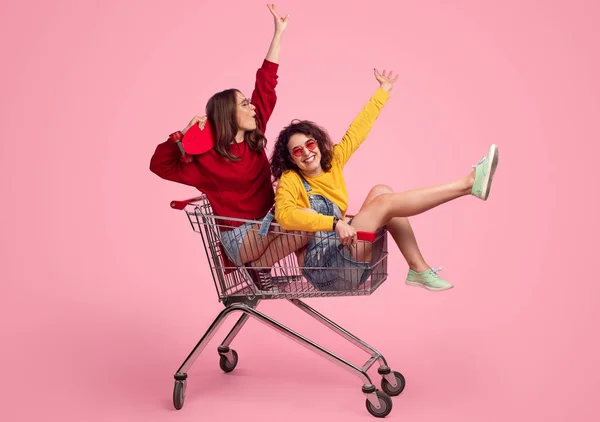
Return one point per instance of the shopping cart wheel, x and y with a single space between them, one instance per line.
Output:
385 405
227 366
179 394
394 391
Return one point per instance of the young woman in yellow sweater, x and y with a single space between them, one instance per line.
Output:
311 196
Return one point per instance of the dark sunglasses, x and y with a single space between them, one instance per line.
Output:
310 144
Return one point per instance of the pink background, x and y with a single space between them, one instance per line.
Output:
105 289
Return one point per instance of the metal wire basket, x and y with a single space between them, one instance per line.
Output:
290 280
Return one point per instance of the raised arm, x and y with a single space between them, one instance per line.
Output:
362 124
280 26
264 97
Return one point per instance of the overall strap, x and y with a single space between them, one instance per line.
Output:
304 182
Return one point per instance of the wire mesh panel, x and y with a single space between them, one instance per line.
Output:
300 264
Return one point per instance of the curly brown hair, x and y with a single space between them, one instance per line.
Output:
220 111
281 159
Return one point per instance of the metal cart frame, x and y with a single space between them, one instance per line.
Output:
239 294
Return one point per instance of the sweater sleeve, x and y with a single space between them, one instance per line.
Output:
288 212
264 96
360 127
166 164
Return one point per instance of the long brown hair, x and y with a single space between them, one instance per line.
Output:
281 160
220 111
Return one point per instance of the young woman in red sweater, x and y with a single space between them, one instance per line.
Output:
235 174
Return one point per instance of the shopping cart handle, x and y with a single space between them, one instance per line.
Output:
179 205
366 236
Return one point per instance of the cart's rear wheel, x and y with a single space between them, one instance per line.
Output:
385 405
179 394
394 391
227 366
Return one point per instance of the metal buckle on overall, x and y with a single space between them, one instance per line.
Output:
266 223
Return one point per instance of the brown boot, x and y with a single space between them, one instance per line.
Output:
261 278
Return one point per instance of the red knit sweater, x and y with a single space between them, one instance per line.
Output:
240 189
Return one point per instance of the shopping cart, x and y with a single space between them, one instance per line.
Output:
238 293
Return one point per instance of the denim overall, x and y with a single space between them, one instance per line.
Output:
337 270
232 240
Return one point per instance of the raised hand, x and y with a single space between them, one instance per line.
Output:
197 120
280 23
385 79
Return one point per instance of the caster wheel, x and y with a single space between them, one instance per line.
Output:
385 405
179 394
394 391
227 366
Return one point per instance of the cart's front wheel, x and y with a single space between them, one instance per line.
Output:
179 394
394 391
385 405
227 366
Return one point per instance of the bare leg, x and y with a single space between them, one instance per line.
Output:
404 236
386 206
266 251
280 247
255 245
402 233
260 253
420 273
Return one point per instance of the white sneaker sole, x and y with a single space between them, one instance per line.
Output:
431 289
492 162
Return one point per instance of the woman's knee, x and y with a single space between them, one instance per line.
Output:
380 189
381 203
375 192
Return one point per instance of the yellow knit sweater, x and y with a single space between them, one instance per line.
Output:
291 196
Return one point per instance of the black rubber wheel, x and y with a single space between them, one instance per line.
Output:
394 391
385 403
227 366
178 394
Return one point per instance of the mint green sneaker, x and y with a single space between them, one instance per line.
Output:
428 280
484 172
